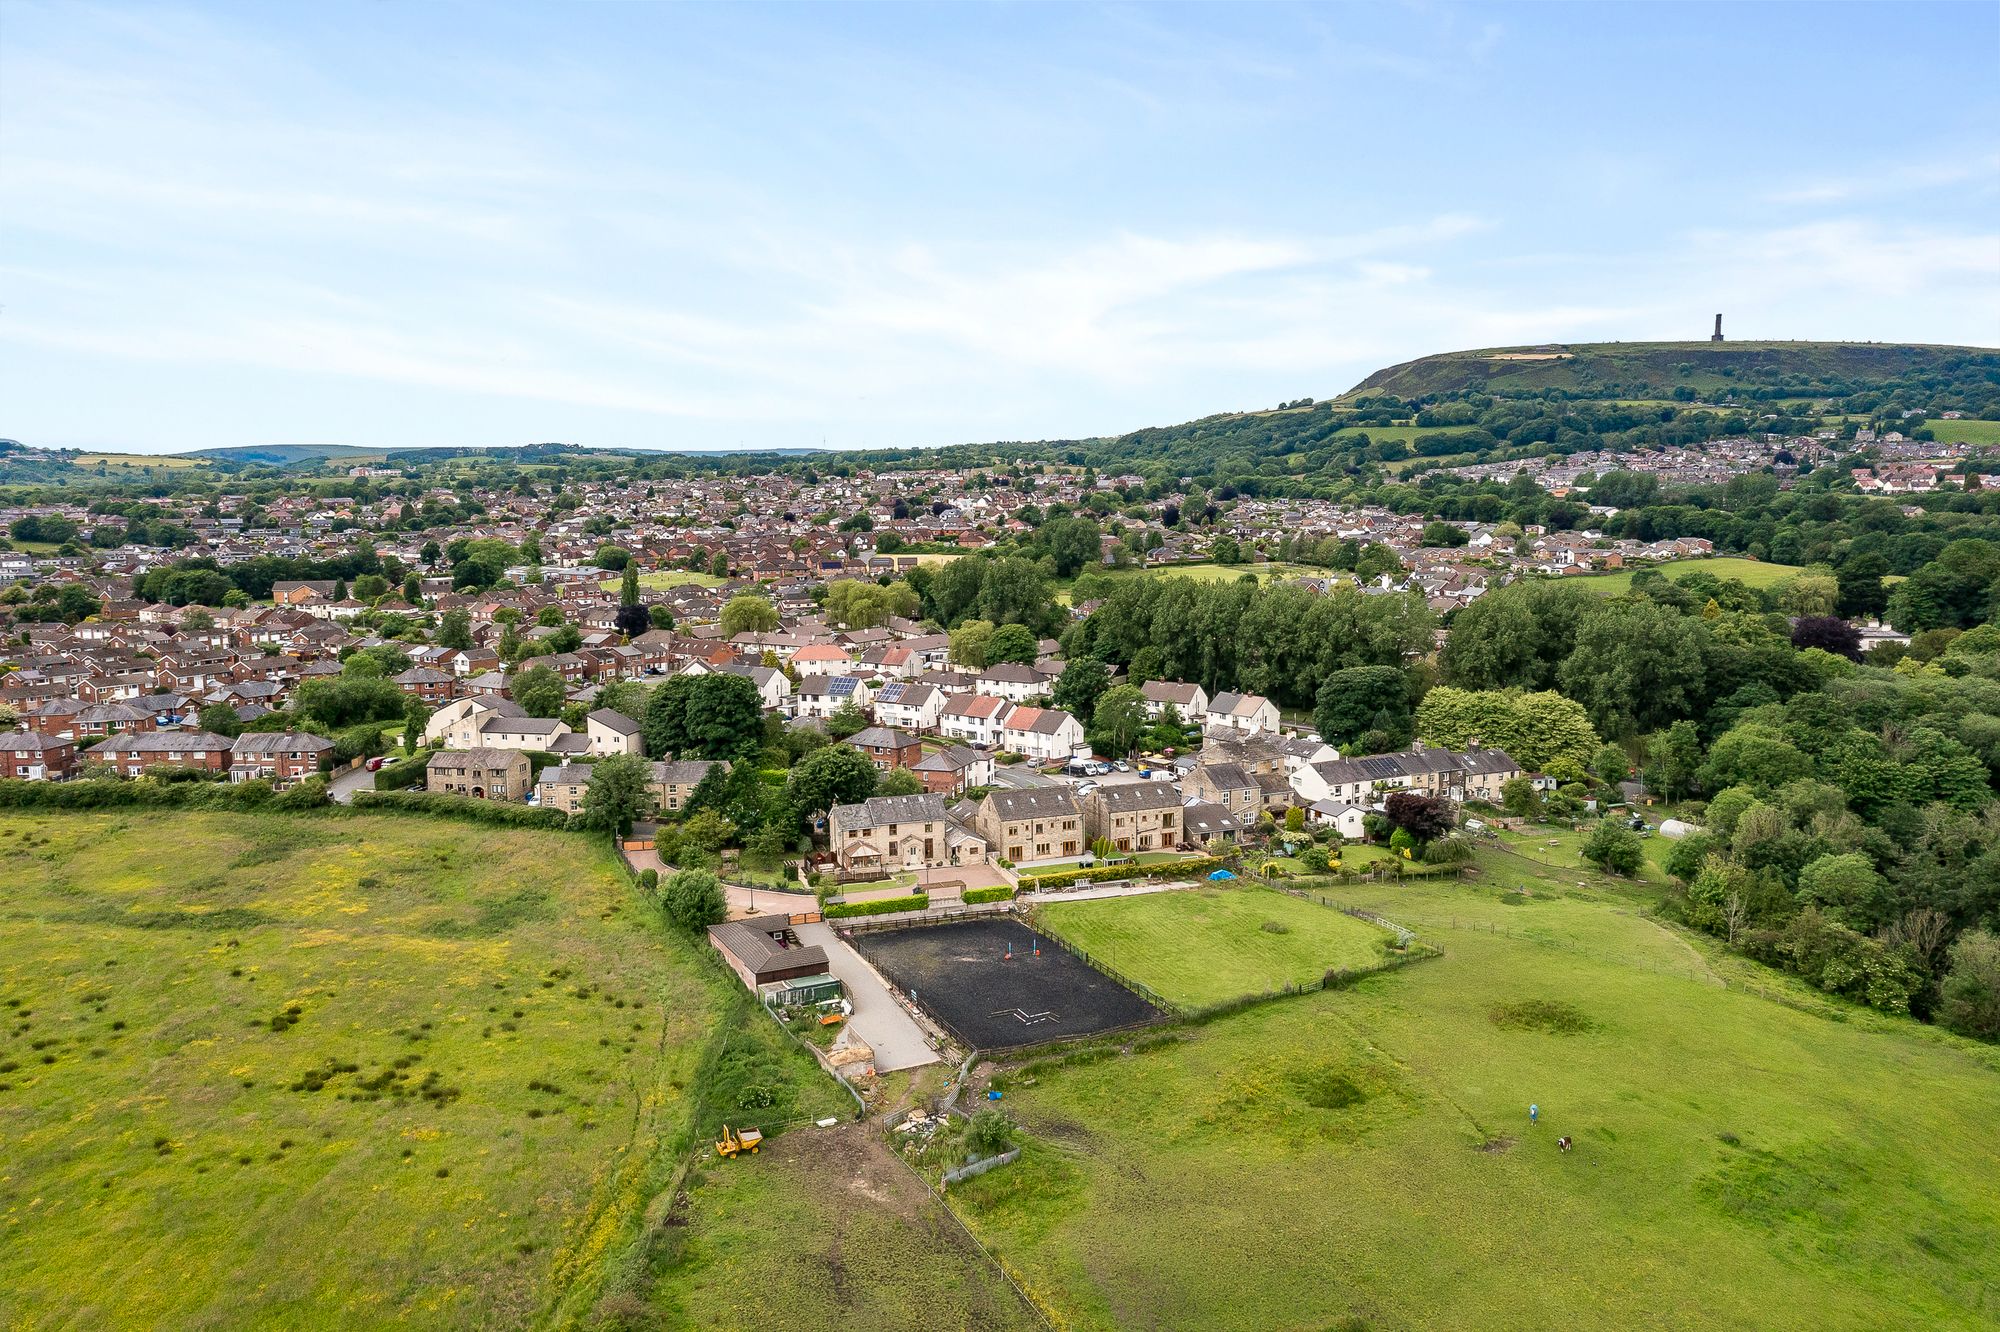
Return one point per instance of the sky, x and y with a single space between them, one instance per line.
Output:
690 226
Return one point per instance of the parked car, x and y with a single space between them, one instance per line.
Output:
1122 766
375 765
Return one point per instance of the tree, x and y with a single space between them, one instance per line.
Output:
1519 797
1969 1000
661 616
1848 887
900 781
1636 666
1614 848
969 643
725 718
1517 636
632 620
1079 687
988 1133
1073 543
719 566
1812 592
1226 549
1423 817
1673 757
859 604
415 713
1118 719
1012 642
845 720
835 775
455 629
628 585
617 795
748 613
1610 765
611 557
220 719
693 900
1348 704
1828 633
538 690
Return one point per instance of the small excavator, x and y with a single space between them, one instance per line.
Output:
732 1142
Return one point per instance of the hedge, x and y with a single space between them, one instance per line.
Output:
439 804
999 894
402 775
117 793
1100 873
914 902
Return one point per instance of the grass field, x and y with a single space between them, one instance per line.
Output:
1754 573
140 461
1965 432
1267 571
343 1073
661 579
1749 1155
1201 946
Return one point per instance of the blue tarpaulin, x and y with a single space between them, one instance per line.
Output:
1222 874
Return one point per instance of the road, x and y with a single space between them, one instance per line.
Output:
879 1019
343 786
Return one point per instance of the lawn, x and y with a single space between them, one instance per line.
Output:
1748 1155
1965 432
314 1072
1200 946
1754 573
661 579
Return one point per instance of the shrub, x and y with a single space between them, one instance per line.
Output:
977 895
693 899
439 804
914 902
1099 873
649 879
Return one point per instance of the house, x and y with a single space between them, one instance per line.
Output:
888 833
673 781
1242 714
914 707
821 659
1205 824
1189 701
974 718
1032 825
302 592
1475 774
430 685
520 732
562 785
1047 734
1229 785
820 696
886 747
764 952
774 687
1013 681
1134 816
483 774
953 768
1338 815
30 756
612 732
133 755
457 723
284 758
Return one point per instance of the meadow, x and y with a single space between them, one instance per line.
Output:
355 1072
1200 946
1752 573
662 579
1747 1154
1965 432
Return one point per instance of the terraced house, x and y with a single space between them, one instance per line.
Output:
1031 826
1135 816
902 833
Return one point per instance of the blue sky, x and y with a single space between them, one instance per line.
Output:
696 227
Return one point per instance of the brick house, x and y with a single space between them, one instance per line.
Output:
282 757
133 755
30 756
430 685
887 747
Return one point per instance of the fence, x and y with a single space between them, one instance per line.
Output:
983 1165
1138 987
851 925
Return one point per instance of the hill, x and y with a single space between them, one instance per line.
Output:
284 455
1640 369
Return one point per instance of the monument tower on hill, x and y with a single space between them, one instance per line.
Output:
1718 329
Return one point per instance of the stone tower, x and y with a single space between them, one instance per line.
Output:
1718 329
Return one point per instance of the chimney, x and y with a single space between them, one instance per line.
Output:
1416 746
1472 742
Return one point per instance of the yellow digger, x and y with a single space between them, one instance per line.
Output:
732 1142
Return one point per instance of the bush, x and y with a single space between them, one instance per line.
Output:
694 900
1099 873
402 776
649 879
977 895
115 792
1614 848
439 804
914 902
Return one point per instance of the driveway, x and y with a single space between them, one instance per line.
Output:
343 787
879 1018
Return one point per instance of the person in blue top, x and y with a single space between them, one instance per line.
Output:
1534 1114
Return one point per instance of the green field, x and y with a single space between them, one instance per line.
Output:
661 579
1755 573
1748 1154
1965 432
286 1071
140 461
1267 571
1202 946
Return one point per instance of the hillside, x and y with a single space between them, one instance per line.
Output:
1656 368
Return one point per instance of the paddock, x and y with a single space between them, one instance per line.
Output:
996 984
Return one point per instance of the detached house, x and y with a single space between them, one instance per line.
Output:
1046 734
1243 714
914 707
886 747
1189 701
483 774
